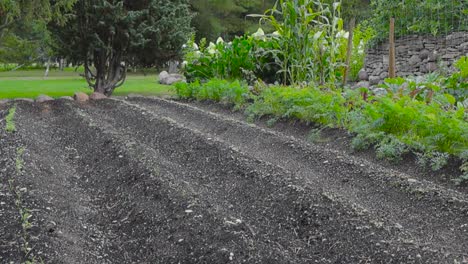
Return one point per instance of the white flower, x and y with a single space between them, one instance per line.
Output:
276 34
198 54
195 46
184 46
342 34
260 34
361 47
219 40
211 48
184 64
336 5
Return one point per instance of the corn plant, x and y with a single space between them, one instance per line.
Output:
307 47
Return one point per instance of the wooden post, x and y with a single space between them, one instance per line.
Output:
349 52
392 53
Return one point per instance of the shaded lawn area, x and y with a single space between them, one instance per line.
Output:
30 84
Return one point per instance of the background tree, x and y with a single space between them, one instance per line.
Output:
227 18
358 9
13 12
25 43
106 35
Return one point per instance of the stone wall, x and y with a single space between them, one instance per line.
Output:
417 55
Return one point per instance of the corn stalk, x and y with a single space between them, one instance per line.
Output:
307 49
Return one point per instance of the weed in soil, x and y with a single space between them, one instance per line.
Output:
24 213
19 160
10 122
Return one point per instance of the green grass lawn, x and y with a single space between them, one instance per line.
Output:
30 84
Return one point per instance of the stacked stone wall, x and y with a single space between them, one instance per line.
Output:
417 55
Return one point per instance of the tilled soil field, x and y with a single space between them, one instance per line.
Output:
157 181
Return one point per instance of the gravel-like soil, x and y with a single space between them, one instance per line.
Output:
157 181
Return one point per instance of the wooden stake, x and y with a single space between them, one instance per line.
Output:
392 53
349 52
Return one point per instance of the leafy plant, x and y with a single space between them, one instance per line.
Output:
19 159
436 160
315 135
223 60
10 122
308 104
457 84
217 90
363 34
391 148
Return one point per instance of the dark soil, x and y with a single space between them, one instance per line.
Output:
339 139
154 181
10 224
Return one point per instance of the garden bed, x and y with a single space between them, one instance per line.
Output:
150 180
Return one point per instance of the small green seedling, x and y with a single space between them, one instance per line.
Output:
19 159
10 122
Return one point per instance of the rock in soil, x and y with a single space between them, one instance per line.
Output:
97 96
43 99
67 98
81 97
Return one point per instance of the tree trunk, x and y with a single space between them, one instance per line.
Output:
62 63
46 74
110 72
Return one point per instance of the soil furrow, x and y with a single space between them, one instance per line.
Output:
154 181
144 218
148 129
10 222
61 207
428 212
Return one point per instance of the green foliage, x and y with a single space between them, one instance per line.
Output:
363 34
315 135
186 90
363 141
31 12
226 18
417 16
242 58
10 122
308 104
26 43
308 46
220 60
391 148
217 90
358 9
424 127
393 124
457 84
19 159
449 91
436 160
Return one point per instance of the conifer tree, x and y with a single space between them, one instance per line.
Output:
106 35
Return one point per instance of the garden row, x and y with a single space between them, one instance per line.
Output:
433 125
